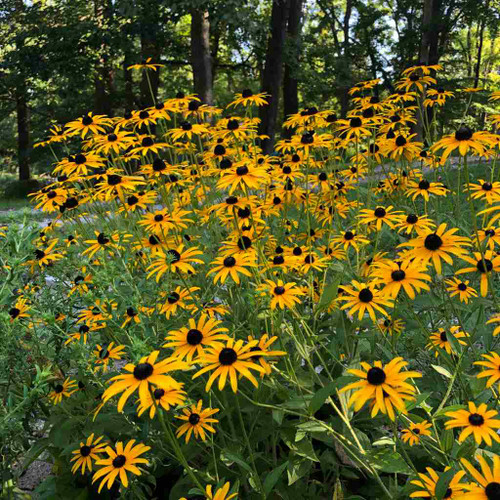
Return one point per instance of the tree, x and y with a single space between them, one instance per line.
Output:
201 58
290 80
273 72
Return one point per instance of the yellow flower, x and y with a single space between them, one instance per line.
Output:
414 432
282 294
198 420
88 451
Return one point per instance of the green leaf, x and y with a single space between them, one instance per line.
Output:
321 396
273 476
418 400
443 483
442 371
447 440
442 412
389 461
229 457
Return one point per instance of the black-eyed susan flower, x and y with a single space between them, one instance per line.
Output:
265 342
175 260
488 191
414 432
465 140
350 239
19 309
461 288
120 461
282 294
198 421
102 243
391 326
228 361
441 339
89 123
492 365
242 175
433 246
364 297
429 481
425 188
104 354
379 216
409 276
248 98
478 421
141 376
180 298
89 452
378 380
487 485
63 390
232 266
45 256
190 341
164 398
484 264
490 236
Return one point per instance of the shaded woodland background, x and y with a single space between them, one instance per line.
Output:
62 58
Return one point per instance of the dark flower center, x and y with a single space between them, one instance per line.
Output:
307 138
114 180
58 388
194 337
400 141
232 200
102 239
51 195
398 275
244 243
368 113
247 93
174 255
309 259
158 393
233 125
159 165
132 200
119 461
131 312
153 240
227 356
87 120
229 262
380 212
194 105
194 418
112 137
462 287
492 491
279 290
414 77
375 376
365 295
143 114
464 133
487 186
278 259
297 251
286 170
242 170
147 142
143 370
416 431
348 235
484 266
225 163
322 176
331 118
85 451
433 242
80 159
412 219
244 213
489 232
423 184
443 337
219 150
355 122
173 297
39 254
276 200
475 419
448 493
186 126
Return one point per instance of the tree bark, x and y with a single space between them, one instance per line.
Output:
290 82
201 58
477 71
150 48
273 72
103 77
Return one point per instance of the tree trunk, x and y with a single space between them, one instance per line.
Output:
477 71
290 83
23 133
129 83
103 77
201 58
273 72
150 48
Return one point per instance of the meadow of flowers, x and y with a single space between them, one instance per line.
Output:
201 320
